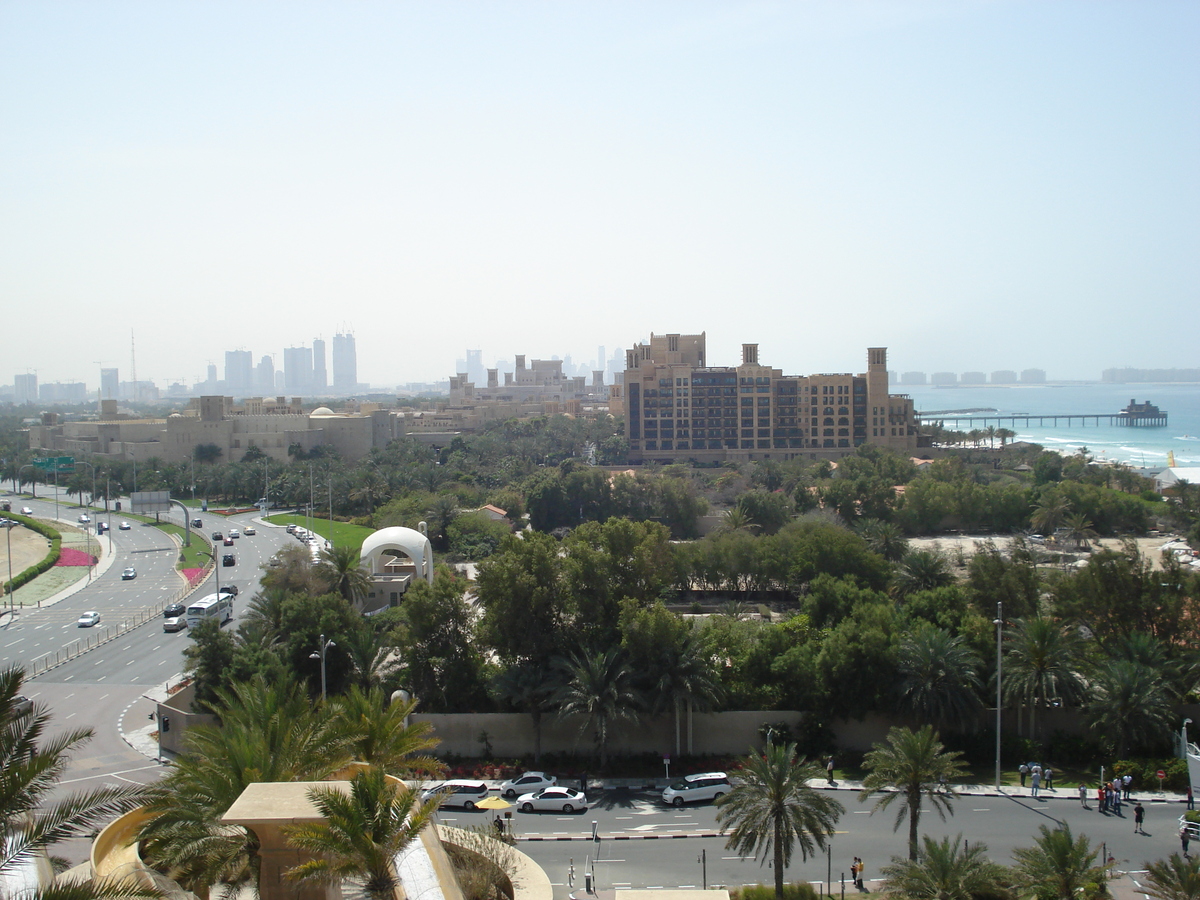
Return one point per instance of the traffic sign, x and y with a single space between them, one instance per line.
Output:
1161 774
55 463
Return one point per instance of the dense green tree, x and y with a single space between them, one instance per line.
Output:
949 869
1060 866
885 538
209 658
921 570
343 568
377 731
772 809
360 834
305 619
769 510
1042 665
1130 704
912 767
524 596
1005 576
857 662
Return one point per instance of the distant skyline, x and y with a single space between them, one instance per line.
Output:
974 185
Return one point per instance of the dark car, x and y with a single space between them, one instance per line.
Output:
217 536
230 589
173 610
228 560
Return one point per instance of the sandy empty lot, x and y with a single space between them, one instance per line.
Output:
1149 547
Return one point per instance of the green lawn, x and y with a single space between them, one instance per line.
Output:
344 534
195 556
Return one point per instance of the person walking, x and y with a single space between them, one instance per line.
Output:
1117 798
1048 774
1023 770
829 770
1101 800
1127 784
1035 784
1184 837
1139 816
854 872
859 884
1083 795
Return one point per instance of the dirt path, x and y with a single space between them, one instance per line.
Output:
1149 547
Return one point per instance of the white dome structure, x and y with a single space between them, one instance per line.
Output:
321 412
380 552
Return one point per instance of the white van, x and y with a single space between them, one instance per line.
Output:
705 786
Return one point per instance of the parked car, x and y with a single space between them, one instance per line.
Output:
129 574
693 788
527 784
26 511
175 623
249 530
124 526
88 619
173 610
458 792
197 523
553 799
234 533
228 541
291 529
84 519
228 560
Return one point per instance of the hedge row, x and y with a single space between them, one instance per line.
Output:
47 562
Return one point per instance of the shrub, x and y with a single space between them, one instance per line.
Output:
48 561
1143 771
797 891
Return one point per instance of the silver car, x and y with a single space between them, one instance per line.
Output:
527 784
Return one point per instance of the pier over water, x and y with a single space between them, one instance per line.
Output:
1135 415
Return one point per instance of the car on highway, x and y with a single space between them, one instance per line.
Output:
695 788
457 792
230 589
217 536
197 523
26 511
88 619
527 783
101 527
234 533
228 541
84 519
228 560
21 705
124 526
249 531
172 610
129 574
553 799
175 623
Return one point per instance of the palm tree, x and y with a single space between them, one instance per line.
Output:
343 566
1050 514
1080 531
773 809
736 520
885 538
1173 878
1005 435
30 822
939 677
528 687
1130 702
267 734
1041 665
360 834
373 657
684 675
921 570
1059 866
914 765
944 870
597 686
377 732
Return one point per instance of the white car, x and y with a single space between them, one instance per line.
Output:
84 519
553 799
234 533
249 530
129 574
88 619
26 511
705 786
527 784
458 792
124 526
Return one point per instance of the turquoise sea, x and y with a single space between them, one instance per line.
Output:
1136 446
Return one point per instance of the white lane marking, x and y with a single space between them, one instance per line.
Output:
110 774
68 715
14 643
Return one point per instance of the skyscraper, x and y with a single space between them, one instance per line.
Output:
345 364
264 377
320 381
298 370
25 389
239 373
110 384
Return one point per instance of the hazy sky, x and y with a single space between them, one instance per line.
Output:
975 185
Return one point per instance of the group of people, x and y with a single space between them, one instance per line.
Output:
1040 776
856 872
1110 794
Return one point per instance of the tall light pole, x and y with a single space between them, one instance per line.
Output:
999 623
320 654
8 526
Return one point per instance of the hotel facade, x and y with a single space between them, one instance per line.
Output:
677 407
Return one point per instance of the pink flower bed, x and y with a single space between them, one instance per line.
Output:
69 556
193 575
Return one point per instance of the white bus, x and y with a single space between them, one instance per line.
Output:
218 605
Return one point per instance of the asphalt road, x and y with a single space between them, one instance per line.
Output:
625 857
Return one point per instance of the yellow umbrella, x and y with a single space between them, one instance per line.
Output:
493 803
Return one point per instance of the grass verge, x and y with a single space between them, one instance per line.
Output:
343 534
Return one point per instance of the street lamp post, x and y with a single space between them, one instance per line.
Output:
320 654
999 623
11 605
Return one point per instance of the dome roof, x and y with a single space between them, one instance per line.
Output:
321 411
412 543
